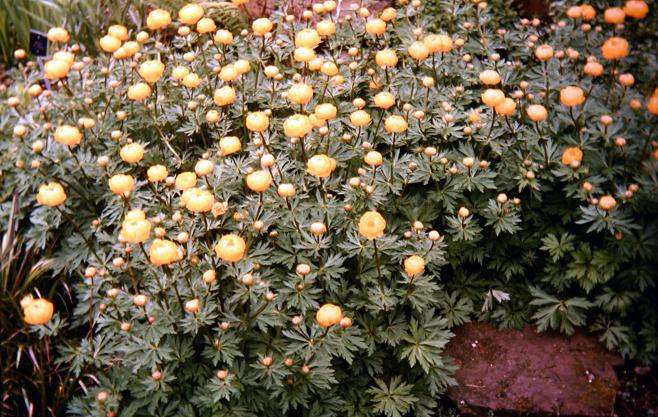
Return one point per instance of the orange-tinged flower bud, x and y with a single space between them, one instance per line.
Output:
206 25
572 154
544 52
607 203
506 108
614 15
325 28
135 228
223 36
151 71
325 111
262 26
438 43
594 69
373 158
384 100
376 27
395 124
489 77
231 248
58 34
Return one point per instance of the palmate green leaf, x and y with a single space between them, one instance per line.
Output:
456 309
423 345
503 218
614 334
590 268
562 315
394 399
464 229
558 247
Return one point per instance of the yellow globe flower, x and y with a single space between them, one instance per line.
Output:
204 167
328 315
192 80
506 108
118 31
164 252
242 66
320 166
536 112
414 265
259 181
372 225
418 50
151 71
329 68
262 26
197 200
376 27
68 135
384 100
132 153
51 194
325 111
109 43
190 14
224 96
300 93
223 36
307 38
157 173
206 25
257 121
139 91
231 248
58 34
360 118
438 43
297 126
38 311
492 97
65 56
490 77
185 180
386 58
373 158
121 183
55 69
158 19
230 145
306 55
228 73
572 96
135 229
395 124
325 28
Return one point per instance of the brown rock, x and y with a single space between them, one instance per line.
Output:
516 372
